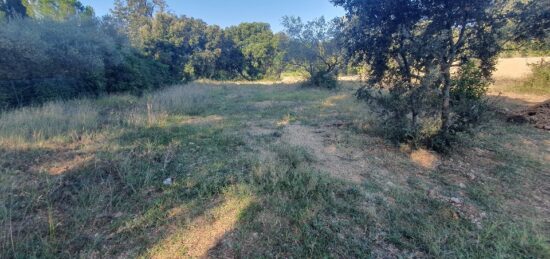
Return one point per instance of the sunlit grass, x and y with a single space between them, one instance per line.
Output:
84 178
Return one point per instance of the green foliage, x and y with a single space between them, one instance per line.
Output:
56 9
323 80
469 83
539 81
469 106
259 48
527 32
312 47
531 21
82 60
193 49
411 46
133 16
136 74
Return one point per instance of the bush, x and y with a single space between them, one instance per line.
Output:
539 81
468 104
136 74
396 107
323 80
43 60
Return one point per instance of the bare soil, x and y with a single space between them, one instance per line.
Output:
539 115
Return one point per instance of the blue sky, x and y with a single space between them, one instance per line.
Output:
231 12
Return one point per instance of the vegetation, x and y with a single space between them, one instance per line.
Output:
531 21
194 49
84 178
260 48
312 47
101 158
538 82
413 56
139 47
83 59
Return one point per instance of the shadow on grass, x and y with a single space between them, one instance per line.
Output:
224 202
115 203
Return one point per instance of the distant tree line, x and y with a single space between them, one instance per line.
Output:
59 49
193 49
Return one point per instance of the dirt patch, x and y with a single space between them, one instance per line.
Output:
344 163
68 165
425 159
203 120
203 233
538 115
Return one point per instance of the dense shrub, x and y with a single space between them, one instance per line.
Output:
43 60
323 80
136 74
469 105
411 115
539 81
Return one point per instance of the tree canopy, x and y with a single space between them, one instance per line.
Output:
312 46
531 23
411 47
259 48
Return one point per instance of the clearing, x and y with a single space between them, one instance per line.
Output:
262 171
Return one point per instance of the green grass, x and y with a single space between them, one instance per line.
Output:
85 178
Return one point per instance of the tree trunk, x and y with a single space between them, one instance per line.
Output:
414 121
445 108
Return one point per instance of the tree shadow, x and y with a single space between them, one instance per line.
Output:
512 103
115 202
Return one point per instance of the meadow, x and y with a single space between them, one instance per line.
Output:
224 169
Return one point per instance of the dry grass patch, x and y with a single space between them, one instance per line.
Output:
203 233
515 68
425 159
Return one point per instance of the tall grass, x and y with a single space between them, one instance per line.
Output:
61 119
188 100
54 119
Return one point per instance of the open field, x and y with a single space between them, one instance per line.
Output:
261 171
516 68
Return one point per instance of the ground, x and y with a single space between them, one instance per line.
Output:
263 171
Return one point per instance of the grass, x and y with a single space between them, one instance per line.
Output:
84 178
535 83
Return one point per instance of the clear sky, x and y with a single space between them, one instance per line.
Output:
232 12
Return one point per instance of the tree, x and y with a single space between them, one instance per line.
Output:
532 22
44 59
12 9
259 47
411 48
58 10
136 15
191 48
312 47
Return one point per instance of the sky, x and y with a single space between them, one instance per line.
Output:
232 12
